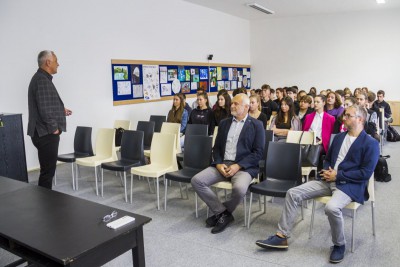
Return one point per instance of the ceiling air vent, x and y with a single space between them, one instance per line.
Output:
261 8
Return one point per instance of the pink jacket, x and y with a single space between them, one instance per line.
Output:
327 127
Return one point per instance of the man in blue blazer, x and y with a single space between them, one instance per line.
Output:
348 166
238 148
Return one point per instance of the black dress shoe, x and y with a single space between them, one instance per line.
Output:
224 220
212 221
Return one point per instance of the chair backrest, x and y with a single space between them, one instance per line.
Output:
132 146
269 137
382 119
124 124
158 120
283 161
371 188
214 135
196 129
307 138
83 140
147 127
331 139
105 142
163 149
197 153
173 128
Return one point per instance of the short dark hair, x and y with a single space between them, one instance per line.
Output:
381 92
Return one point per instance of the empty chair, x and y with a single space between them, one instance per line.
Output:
105 147
158 120
193 129
197 157
269 137
353 206
162 158
147 127
282 172
170 128
131 156
304 138
82 149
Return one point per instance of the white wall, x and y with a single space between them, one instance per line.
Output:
86 35
329 51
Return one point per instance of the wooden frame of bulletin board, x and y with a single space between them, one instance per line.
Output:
142 81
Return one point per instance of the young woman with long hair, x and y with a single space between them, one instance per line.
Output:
285 120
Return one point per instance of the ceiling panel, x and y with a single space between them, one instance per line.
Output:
292 8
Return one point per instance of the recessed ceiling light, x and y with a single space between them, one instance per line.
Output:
380 1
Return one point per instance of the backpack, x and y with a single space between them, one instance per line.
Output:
381 172
392 135
118 136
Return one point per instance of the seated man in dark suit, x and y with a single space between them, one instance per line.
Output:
348 166
238 148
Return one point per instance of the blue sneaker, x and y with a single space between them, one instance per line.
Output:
273 241
337 254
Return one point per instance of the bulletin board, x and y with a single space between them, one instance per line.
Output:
141 81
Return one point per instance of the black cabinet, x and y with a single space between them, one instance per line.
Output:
12 147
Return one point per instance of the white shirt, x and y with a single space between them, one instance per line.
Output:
316 125
347 142
233 137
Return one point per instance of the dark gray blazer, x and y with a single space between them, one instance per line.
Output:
46 109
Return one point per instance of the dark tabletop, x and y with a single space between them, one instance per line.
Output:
57 225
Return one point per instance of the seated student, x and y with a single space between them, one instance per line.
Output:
313 92
220 92
381 103
305 107
178 113
203 113
356 91
300 94
268 106
348 166
239 146
280 93
320 122
239 91
186 105
339 127
223 109
347 92
371 122
291 92
333 104
255 110
285 120
199 91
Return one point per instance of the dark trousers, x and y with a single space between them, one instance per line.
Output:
47 147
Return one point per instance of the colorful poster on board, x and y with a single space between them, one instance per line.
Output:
151 82
172 74
163 74
203 74
120 73
166 89
185 87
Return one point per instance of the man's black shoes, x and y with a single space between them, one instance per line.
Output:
212 221
224 220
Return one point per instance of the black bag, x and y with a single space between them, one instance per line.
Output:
118 136
392 135
310 154
381 172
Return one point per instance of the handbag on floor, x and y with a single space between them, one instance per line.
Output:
381 172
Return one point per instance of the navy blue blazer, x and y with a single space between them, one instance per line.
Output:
357 167
250 146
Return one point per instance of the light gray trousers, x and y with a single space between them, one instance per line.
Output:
333 208
202 181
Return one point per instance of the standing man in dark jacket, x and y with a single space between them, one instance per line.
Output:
238 148
46 116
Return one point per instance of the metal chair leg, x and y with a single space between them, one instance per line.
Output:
196 204
249 215
73 178
126 194
102 179
312 219
95 178
131 186
352 230
373 216
165 193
